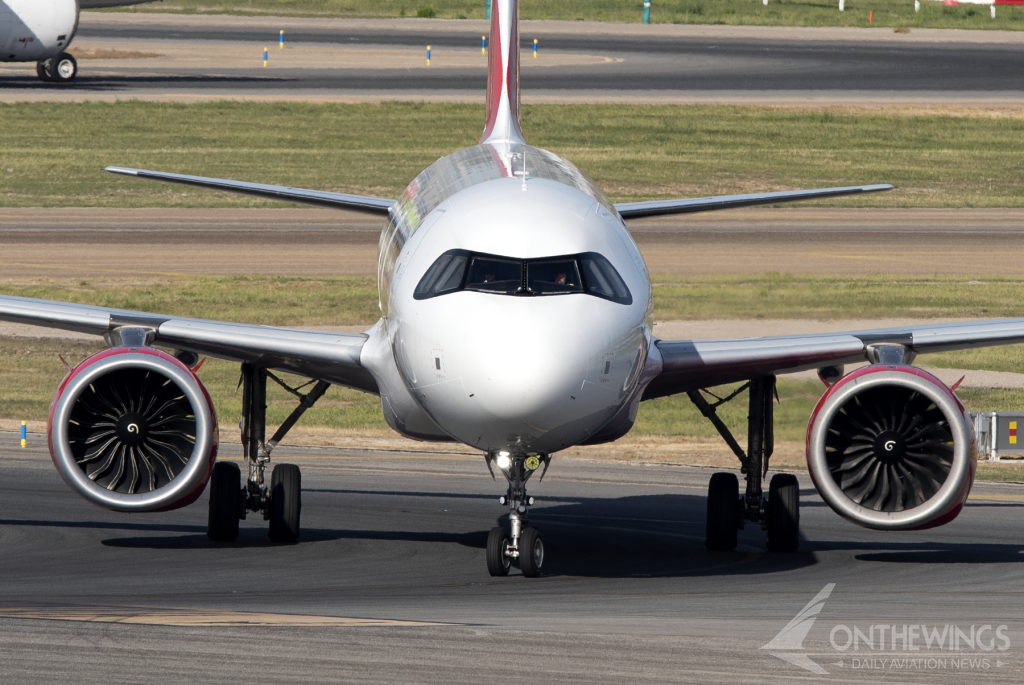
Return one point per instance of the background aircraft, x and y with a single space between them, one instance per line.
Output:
516 318
41 31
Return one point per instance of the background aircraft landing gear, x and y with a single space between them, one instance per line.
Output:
281 503
522 542
60 69
779 513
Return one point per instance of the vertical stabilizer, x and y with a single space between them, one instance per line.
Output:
502 124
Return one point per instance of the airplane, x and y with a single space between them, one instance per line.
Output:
41 32
516 318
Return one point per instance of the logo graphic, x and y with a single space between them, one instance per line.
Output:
889 444
791 638
133 428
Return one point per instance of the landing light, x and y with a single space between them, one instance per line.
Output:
503 461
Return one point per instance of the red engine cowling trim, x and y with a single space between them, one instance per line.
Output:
202 477
950 500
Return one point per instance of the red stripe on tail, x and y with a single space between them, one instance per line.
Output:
503 112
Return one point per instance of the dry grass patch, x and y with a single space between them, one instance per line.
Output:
110 53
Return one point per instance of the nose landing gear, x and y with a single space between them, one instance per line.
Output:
522 542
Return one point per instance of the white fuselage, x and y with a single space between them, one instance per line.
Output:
505 372
35 30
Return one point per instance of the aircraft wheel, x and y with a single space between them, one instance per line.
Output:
43 70
723 516
783 513
225 493
497 555
63 68
285 503
531 552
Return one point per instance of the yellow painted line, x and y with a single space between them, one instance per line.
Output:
198 617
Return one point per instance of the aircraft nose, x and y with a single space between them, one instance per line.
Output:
543 373
526 374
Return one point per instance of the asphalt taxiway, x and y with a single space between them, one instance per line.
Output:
187 58
388 583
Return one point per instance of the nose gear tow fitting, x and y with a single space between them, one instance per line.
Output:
520 542
728 512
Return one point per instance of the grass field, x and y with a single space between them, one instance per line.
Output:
892 13
53 154
352 300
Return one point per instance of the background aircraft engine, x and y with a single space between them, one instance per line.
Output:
890 447
133 429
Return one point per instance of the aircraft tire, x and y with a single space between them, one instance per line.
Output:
285 503
783 513
63 68
497 561
531 552
43 70
723 512
225 493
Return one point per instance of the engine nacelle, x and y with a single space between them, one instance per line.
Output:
890 447
33 30
133 429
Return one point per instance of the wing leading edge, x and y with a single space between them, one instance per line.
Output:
332 357
635 210
319 198
692 364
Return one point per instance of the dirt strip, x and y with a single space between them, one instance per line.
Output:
91 243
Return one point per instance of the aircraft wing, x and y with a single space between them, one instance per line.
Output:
692 364
635 210
331 357
319 198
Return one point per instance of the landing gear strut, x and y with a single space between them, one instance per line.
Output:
60 69
281 503
521 542
779 513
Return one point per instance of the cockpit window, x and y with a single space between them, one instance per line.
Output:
444 276
603 280
588 273
553 277
494 275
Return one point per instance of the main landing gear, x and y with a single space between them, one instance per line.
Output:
728 512
60 69
281 503
521 542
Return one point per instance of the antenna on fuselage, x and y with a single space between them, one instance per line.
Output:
524 168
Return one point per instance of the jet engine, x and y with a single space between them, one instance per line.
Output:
890 447
133 429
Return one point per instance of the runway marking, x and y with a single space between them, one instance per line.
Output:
201 617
